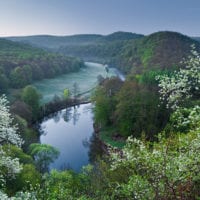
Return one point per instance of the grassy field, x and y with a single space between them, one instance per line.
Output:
86 79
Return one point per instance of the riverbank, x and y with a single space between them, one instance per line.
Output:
57 105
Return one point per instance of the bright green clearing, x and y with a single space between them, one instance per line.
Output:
86 79
107 136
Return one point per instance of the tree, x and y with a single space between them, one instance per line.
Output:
137 110
3 83
66 93
27 178
105 100
43 155
181 93
9 166
18 77
184 84
168 169
27 72
75 89
31 97
22 109
8 131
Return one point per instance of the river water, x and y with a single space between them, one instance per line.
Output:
70 131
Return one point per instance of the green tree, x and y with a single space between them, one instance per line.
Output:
137 110
9 166
28 178
31 97
18 77
43 155
3 83
184 84
66 93
27 72
167 169
105 100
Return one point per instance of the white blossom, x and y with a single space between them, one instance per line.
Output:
9 167
183 84
7 130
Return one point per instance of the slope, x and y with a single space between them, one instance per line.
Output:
20 64
161 50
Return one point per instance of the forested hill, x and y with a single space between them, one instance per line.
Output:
161 50
55 42
20 64
128 51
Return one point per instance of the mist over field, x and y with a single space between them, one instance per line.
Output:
86 79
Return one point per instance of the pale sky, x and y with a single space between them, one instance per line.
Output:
67 17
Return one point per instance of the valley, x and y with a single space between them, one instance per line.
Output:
141 104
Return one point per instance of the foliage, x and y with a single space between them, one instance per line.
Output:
161 172
137 110
9 166
185 119
105 102
184 84
161 50
21 109
19 196
21 64
43 155
31 97
7 130
3 83
61 185
131 107
28 134
16 152
65 94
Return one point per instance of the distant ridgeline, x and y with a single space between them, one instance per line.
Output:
128 51
20 64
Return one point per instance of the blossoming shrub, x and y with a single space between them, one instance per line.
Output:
168 170
184 84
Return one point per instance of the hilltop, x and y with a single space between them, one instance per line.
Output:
55 42
161 50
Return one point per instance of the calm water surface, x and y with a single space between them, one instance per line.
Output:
69 131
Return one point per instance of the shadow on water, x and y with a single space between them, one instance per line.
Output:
95 149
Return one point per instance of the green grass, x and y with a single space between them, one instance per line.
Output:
106 136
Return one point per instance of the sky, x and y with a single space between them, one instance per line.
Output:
68 17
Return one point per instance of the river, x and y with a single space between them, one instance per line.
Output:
70 130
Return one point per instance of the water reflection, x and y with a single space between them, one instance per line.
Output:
67 114
56 117
71 131
96 150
